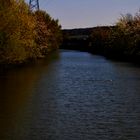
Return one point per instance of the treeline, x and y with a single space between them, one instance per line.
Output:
76 39
24 34
121 41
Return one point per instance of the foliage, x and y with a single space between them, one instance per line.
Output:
16 33
120 41
99 38
23 34
126 36
48 32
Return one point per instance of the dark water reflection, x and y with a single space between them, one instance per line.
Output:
71 96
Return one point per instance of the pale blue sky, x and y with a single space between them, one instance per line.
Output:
88 13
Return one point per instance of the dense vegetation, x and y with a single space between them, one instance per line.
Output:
121 41
76 39
24 34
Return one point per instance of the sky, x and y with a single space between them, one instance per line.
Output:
88 13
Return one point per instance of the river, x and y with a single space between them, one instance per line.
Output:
71 96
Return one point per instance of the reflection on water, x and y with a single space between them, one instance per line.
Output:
71 96
16 91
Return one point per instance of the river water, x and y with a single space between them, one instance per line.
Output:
71 96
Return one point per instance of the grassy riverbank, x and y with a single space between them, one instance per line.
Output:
26 35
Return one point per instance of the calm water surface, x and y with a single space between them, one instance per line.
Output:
71 96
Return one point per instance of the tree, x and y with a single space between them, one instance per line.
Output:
16 33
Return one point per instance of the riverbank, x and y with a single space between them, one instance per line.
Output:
52 55
120 42
98 40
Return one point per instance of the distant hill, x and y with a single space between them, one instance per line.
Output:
83 31
79 31
80 39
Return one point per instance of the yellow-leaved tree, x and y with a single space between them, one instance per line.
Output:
17 32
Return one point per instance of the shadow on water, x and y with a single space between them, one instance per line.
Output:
16 89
